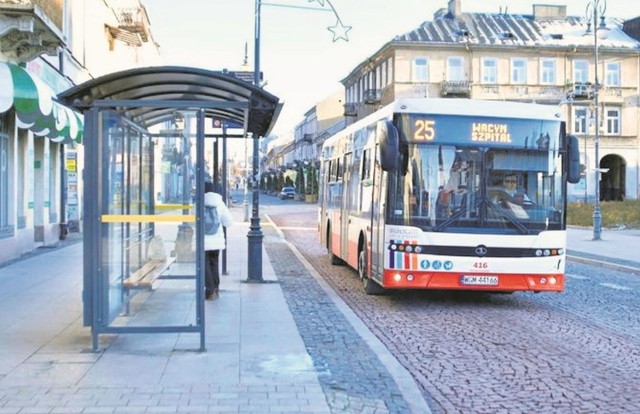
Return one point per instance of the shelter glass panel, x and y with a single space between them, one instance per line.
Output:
147 253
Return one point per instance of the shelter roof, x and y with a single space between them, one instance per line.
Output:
141 95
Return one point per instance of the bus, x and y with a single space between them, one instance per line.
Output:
450 194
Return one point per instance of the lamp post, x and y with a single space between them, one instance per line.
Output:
595 15
255 234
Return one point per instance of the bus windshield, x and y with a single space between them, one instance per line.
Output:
477 188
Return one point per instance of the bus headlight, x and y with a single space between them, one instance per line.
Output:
410 277
397 277
552 280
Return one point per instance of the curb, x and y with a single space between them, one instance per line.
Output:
602 262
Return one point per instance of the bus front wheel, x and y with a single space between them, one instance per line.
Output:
370 287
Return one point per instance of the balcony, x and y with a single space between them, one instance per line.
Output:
133 20
455 88
371 96
308 137
29 29
350 109
580 91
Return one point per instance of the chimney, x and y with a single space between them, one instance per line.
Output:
549 12
455 8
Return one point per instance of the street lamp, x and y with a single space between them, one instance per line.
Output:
255 235
594 14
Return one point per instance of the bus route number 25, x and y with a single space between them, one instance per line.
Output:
425 130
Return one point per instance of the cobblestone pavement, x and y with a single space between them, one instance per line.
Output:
480 353
351 375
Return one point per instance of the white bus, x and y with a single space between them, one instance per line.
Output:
450 194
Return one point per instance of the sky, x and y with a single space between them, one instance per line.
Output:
301 63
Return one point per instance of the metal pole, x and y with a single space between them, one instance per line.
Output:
256 72
597 214
255 232
224 190
255 235
245 201
199 200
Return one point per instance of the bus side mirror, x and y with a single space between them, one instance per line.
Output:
573 159
389 145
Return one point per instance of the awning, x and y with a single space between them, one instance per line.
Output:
35 107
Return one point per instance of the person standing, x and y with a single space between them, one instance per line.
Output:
215 242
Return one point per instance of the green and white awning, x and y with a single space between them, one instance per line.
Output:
35 107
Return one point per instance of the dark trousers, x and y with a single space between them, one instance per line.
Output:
211 271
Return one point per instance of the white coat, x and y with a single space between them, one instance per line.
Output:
217 241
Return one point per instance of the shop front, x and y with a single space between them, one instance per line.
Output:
37 134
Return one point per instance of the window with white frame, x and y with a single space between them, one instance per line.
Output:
612 74
389 71
519 71
547 71
490 71
455 68
581 71
579 120
612 121
420 69
383 73
378 78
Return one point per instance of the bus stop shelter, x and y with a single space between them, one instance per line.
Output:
145 131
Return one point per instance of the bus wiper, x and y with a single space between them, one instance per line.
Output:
521 227
455 216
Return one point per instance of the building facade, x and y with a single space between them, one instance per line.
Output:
296 156
46 47
546 57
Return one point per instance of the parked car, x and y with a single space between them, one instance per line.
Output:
287 192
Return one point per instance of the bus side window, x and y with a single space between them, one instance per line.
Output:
366 164
366 188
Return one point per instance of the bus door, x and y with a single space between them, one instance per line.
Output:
345 208
378 211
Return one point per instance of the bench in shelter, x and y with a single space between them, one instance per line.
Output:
144 277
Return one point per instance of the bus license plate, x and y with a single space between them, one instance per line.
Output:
479 280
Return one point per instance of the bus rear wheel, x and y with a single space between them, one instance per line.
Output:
370 287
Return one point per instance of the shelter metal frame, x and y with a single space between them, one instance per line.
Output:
147 97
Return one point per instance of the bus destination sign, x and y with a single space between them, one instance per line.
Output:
450 129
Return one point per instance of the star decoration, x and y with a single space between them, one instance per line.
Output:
339 31
319 1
